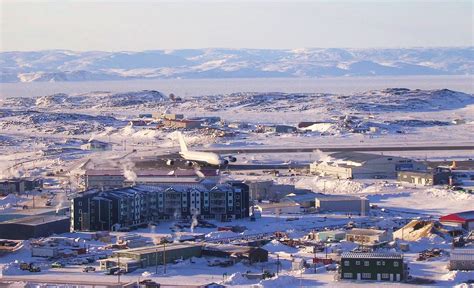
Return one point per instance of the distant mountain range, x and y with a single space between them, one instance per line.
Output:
63 65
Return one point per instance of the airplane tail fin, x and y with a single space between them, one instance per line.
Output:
182 143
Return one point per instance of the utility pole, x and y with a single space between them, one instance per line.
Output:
156 261
118 272
164 256
314 259
278 264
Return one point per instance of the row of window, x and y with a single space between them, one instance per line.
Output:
367 263
366 275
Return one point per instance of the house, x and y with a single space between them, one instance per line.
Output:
373 266
342 203
368 237
426 178
355 165
462 220
95 145
461 258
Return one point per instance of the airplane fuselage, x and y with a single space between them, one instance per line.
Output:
203 157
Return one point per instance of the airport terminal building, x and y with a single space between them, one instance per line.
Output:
138 205
357 165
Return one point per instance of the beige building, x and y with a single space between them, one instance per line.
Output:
354 165
368 237
279 208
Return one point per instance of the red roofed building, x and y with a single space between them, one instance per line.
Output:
463 220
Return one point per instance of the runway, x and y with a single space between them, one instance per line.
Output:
240 150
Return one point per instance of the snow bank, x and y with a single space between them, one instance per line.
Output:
282 281
275 246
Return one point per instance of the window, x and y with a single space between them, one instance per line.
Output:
366 263
379 263
384 275
357 262
366 275
80 203
395 264
347 275
383 263
346 263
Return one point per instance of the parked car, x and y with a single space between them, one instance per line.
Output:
88 269
57 265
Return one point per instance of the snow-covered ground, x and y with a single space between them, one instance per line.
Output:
43 135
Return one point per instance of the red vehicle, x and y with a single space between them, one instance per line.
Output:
324 261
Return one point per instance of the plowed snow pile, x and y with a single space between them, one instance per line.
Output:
416 229
276 246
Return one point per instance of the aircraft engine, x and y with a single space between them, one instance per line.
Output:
170 162
189 163
225 162
232 159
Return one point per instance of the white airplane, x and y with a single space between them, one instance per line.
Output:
206 158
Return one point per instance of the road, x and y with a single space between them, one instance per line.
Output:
82 283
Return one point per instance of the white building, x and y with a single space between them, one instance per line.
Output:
96 145
350 165
461 259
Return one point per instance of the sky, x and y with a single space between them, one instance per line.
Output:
149 25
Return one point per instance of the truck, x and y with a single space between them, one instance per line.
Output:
111 270
29 267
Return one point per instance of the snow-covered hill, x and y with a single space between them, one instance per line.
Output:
60 65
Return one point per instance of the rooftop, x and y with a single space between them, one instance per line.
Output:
459 217
327 197
172 173
368 232
358 157
155 248
371 255
35 220
230 248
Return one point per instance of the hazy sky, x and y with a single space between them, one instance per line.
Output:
146 25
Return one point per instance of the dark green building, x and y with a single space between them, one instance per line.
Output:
373 266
